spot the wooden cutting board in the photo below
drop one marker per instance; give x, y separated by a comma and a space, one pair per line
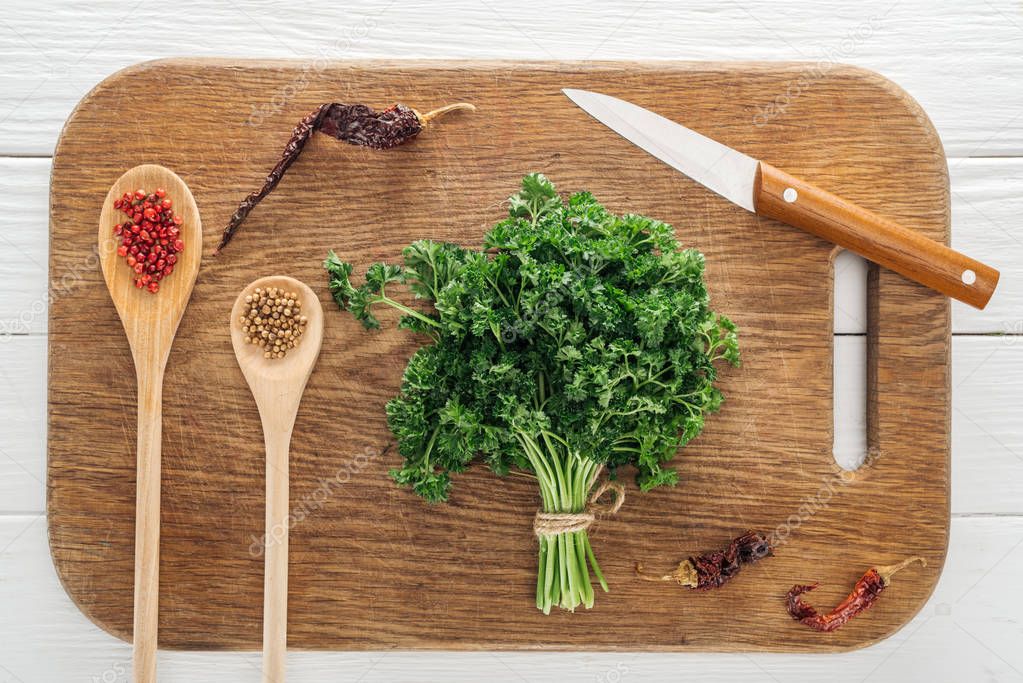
373, 566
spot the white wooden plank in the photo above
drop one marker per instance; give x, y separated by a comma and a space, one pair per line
850, 401
987, 429
24, 235
23, 187
850, 300
23, 416
969, 631
987, 434
962, 61
986, 205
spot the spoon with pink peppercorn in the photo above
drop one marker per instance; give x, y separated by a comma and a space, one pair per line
150, 243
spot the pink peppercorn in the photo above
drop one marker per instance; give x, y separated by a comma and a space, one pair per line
150, 240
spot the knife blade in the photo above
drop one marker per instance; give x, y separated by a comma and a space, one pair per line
767, 191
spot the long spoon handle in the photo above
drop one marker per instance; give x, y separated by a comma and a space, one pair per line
147, 523
275, 568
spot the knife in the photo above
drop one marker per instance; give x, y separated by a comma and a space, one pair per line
767, 191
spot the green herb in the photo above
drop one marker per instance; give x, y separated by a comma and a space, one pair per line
572, 341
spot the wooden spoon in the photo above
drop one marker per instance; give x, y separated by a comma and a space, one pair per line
277, 385
150, 321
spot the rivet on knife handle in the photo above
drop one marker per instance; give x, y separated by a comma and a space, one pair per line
788, 199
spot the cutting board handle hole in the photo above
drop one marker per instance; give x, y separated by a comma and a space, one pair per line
851, 366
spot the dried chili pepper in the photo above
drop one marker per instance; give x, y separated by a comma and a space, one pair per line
711, 570
356, 124
863, 595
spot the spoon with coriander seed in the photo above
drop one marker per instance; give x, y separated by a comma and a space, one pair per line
276, 330
150, 244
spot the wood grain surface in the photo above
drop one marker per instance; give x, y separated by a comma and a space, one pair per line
373, 567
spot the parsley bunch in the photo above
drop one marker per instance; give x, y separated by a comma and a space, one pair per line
574, 340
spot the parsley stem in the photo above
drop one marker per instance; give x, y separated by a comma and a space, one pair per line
581, 542
383, 299
565, 559
593, 563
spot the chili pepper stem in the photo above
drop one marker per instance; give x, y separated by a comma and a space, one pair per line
684, 574
651, 577
888, 571
437, 113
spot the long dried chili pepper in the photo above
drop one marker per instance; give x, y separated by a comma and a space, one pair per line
711, 570
863, 595
356, 124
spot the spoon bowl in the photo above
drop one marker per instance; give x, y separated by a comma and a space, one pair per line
295, 367
277, 385
150, 321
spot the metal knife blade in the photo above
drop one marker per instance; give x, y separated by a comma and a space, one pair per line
717, 167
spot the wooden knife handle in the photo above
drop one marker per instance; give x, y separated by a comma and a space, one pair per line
788, 199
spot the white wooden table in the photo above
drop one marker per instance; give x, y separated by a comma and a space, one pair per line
962, 60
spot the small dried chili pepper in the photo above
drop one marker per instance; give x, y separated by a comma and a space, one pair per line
863, 595
356, 124
711, 570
